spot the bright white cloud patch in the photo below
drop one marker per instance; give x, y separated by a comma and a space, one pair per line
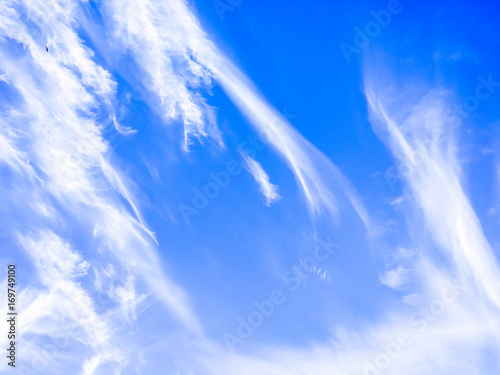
395, 278
267, 189
167, 52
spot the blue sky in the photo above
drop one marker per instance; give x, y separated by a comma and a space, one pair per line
238, 187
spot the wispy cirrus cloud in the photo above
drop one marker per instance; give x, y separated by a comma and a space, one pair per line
438, 326
435, 179
68, 186
267, 189
62, 168
395, 278
171, 49
166, 43
323, 195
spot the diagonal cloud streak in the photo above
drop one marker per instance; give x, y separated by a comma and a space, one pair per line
267, 189
424, 148
173, 52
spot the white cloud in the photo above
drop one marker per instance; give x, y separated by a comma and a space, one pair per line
395, 278
52, 139
321, 181
64, 299
57, 143
165, 43
176, 58
269, 190
434, 177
